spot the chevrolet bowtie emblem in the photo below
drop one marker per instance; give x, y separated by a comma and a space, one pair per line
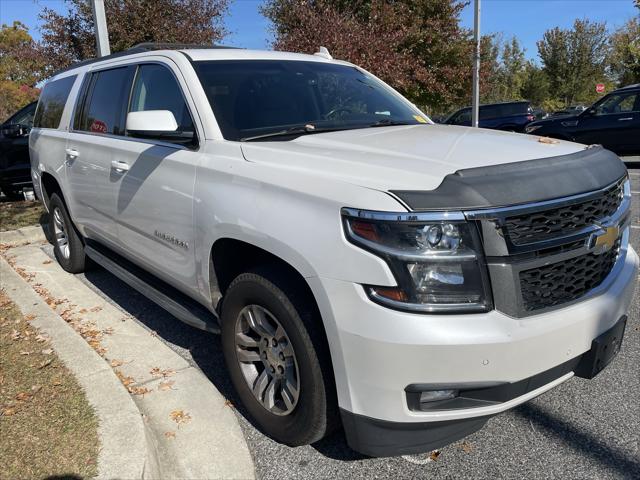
606, 240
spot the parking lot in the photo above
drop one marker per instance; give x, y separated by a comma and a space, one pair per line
582, 429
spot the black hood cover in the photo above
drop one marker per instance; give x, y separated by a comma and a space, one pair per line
520, 182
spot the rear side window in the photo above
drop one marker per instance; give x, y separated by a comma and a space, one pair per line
106, 102
52, 101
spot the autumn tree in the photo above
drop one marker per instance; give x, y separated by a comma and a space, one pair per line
21, 67
69, 37
574, 60
417, 46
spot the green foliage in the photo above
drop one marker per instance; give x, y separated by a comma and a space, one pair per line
574, 60
625, 53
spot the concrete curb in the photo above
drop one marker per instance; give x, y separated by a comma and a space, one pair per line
23, 236
192, 431
123, 447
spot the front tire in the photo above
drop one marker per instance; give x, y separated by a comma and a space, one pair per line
67, 243
277, 357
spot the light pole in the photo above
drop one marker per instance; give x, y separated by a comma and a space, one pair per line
475, 100
100, 22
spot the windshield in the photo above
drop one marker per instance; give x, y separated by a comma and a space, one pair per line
252, 98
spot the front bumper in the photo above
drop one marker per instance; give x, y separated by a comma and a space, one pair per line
377, 353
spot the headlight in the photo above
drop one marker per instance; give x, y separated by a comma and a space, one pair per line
436, 259
532, 128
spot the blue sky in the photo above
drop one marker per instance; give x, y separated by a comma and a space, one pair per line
526, 19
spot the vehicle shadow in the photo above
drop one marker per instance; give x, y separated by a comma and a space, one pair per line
580, 441
205, 349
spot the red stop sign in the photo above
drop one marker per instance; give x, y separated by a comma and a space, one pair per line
600, 88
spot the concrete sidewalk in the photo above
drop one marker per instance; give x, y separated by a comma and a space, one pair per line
190, 429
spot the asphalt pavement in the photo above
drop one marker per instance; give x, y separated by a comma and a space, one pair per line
581, 429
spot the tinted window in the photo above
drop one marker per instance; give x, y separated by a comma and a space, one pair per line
617, 103
257, 97
52, 101
24, 116
157, 89
104, 109
463, 117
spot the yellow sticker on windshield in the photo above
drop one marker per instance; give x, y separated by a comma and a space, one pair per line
420, 118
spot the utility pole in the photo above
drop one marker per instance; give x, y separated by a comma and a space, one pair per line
100, 22
475, 100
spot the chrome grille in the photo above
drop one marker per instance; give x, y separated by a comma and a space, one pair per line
558, 222
566, 280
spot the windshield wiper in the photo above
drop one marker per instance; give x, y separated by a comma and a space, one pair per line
295, 130
387, 122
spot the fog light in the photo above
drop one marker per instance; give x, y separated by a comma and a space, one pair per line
437, 395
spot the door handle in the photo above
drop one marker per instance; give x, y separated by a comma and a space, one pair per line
119, 166
72, 153
625, 119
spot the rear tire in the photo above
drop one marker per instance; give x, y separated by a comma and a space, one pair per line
68, 246
299, 352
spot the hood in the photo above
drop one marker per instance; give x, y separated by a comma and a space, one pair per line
415, 157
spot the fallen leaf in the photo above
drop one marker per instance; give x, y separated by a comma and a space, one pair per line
45, 363
116, 363
108, 331
166, 385
434, 455
228, 403
56, 382
180, 417
24, 352
47, 351
95, 309
41, 338
126, 381
15, 335
466, 447
548, 140
170, 434
157, 372
36, 388
29, 317
47, 262
138, 390
7, 412
23, 396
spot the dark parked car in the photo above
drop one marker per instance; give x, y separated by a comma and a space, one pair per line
15, 169
512, 116
613, 122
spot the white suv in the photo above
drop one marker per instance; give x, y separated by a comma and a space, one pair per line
363, 265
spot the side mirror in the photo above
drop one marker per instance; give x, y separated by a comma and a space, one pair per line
152, 123
14, 130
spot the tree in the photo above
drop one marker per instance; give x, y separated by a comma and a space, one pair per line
535, 85
625, 53
69, 37
21, 67
574, 60
417, 46
513, 70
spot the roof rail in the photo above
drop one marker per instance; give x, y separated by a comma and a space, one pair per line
139, 48
149, 46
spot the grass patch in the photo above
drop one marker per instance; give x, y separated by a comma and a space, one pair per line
15, 215
48, 427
